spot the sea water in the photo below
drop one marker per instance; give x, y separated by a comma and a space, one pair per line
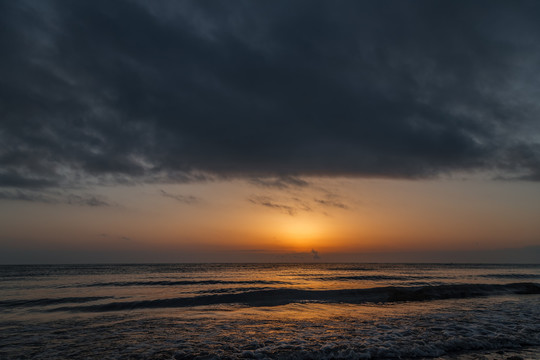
285, 311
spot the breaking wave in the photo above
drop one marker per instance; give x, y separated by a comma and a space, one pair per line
275, 297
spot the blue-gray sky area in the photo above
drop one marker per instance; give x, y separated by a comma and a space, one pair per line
234, 119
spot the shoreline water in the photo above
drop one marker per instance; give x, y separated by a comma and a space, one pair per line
370, 311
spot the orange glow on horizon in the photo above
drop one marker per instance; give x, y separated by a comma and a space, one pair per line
393, 216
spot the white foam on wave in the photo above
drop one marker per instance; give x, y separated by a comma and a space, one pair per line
442, 328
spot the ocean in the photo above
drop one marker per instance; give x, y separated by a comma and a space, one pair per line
270, 311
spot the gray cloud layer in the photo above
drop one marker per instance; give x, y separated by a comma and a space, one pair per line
136, 91
55, 198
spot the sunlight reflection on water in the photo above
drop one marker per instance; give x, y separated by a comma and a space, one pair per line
185, 311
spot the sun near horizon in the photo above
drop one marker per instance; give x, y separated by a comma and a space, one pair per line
240, 221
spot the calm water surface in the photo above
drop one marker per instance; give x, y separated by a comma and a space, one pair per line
362, 311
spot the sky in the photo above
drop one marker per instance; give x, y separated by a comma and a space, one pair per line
279, 131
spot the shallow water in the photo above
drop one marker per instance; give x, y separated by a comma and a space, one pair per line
377, 311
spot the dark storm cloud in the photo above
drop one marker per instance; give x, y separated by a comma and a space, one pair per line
185, 199
523, 157
14, 180
129, 91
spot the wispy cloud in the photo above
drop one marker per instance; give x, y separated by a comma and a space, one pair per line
87, 200
301, 204
185, 199
281, 183
20, 195
297, 204
331, 203
269, 203
56, 198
